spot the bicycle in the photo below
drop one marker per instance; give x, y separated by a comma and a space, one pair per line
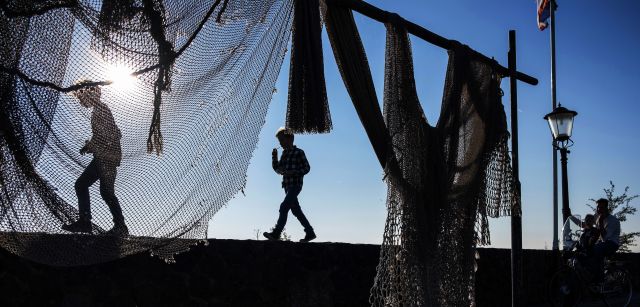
567, 285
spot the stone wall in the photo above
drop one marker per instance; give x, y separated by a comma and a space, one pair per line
245, 273
493, 278
224, 273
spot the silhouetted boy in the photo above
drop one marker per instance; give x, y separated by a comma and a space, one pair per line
105, 147
293, 165
589, 234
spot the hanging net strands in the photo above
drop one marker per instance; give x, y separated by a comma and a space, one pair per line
165, 76
307, 105
444, 180
191, 79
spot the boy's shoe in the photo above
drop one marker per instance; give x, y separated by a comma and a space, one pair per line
78, 226
119, 230
310, 235
272, 236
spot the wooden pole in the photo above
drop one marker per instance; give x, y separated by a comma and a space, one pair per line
516, 218
375, 13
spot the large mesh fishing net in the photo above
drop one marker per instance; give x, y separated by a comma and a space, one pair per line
171, 145
444, 181
189, 121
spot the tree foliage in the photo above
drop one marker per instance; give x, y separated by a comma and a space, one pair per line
620, 206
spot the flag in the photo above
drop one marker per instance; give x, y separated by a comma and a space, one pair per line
544, 13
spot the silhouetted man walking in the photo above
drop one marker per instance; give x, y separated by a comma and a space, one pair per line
105, 147
293, 165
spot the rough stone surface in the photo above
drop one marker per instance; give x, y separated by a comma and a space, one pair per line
249, 273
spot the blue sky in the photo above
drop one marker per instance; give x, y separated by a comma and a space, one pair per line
344, 196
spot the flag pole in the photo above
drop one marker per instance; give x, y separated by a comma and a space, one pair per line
552, 6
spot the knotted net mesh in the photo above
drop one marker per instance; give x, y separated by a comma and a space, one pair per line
204, 75
169, 146
443, 181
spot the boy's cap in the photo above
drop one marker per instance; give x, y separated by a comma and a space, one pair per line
283, 130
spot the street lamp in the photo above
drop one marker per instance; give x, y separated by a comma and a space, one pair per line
561, 125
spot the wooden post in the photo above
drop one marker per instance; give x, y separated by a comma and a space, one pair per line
383, 16
516, 219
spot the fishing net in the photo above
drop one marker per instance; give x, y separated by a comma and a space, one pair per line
176, 140
179, 134
307, 106
445, 180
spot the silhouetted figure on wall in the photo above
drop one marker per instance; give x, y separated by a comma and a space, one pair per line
105, 147
293, 165
589, 234
608, 227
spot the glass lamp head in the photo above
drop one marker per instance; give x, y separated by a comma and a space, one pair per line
561, 123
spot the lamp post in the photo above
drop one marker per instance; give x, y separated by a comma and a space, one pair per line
561, 125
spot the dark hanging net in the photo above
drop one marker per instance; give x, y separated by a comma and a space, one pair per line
307, 107
205, 73
443, 181
403, 276
176, 139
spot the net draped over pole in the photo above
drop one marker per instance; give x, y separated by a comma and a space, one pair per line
450, 178
205, 75
205, 71
307, 105
443, 181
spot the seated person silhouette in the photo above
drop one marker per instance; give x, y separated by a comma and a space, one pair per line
608, 237
587, 240
589, 235
105, 147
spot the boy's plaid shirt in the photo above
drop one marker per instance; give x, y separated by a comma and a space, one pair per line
293, 165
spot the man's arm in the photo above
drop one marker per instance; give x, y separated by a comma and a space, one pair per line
613, 230
575, 220
86, 148
594, 237
305, 164
275, 163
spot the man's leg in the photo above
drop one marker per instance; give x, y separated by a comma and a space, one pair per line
598, 259
88, 177
289, 200
107, 173
601, 250
297, 212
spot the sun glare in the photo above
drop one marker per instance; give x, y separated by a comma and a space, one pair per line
121, 77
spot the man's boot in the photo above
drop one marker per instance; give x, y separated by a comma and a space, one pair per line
309, 235
119, 229
272, 236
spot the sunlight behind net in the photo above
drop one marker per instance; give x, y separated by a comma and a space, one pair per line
121, 77
210, 108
